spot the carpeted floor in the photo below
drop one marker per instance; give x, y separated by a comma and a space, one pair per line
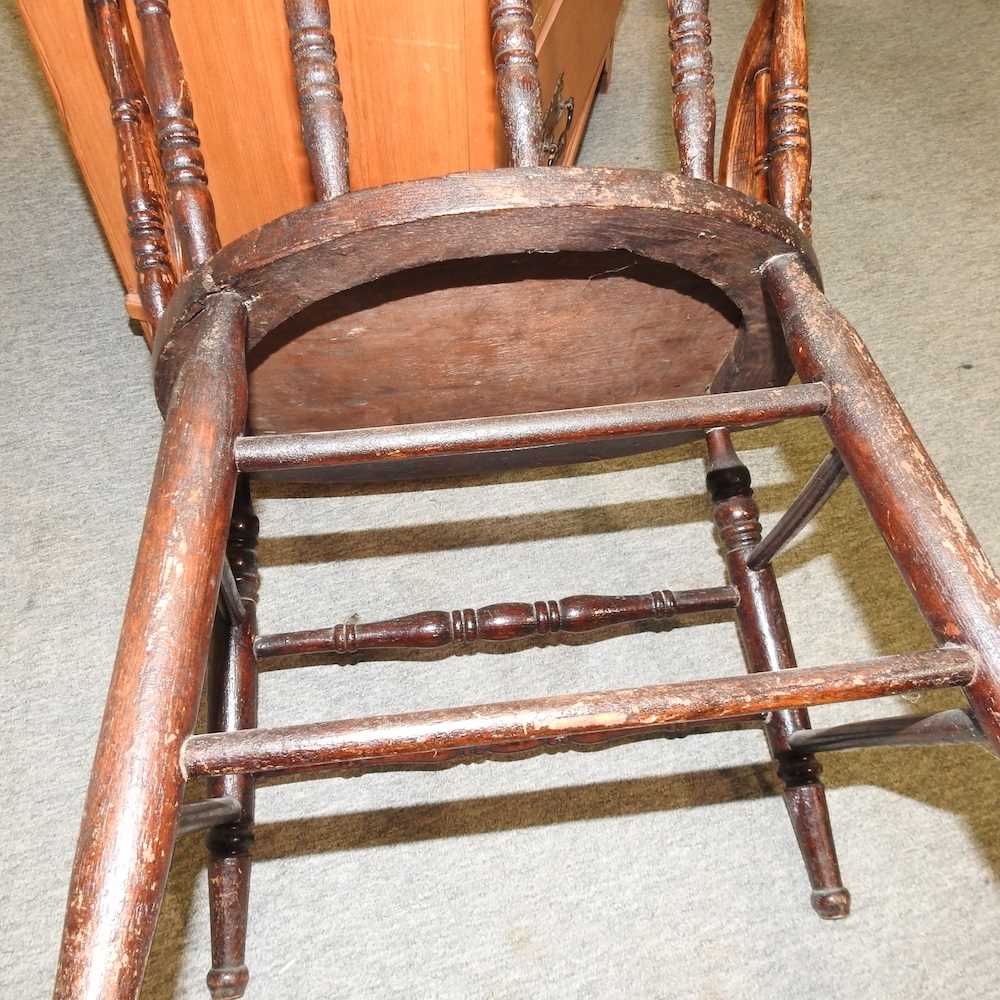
660, 870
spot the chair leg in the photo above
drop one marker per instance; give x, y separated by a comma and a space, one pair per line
939, 557
129, 824
233, 705
767, 645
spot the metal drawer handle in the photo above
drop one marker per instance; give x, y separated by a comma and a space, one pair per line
553, 147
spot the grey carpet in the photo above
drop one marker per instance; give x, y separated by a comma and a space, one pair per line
663, 870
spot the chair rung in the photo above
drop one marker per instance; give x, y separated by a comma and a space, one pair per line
439, 760
955, 725
298, 748
207, 813
273, 452
497, 622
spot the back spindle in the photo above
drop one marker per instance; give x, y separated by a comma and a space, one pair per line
190, 201
518, 90
321, 104
790, 144
140, 192
693, 86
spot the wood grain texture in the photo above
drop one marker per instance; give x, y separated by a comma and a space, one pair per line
519, 93
767, 646
294, 748
496, 622
177, 137
441, 760
939, 557
526, 331
410, 117
693, 86
133, 803
743, 155
321, 104
374, 245
140, 186
790, 141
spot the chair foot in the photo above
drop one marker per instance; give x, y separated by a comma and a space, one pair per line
805, 800
228, 984
229, 897
831, 904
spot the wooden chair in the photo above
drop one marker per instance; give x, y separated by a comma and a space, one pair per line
475, 351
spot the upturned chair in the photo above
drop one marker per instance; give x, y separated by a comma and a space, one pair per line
435, 326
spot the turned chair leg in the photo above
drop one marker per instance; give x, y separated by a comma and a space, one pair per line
130, 819
233, 705
767, 645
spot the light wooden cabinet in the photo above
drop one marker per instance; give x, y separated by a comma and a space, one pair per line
418, 85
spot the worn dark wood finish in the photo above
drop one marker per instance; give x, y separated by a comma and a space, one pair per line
822, 485
332, 247
790, 146
127, 835
480, 317
233, 706
939, 557
767, 646
954, 725
139, 179
442, 760
497, 622
693, 86
383, 444
321, 104
743, 155
294, 748
500, 322
183, 164
207, 813
518, 90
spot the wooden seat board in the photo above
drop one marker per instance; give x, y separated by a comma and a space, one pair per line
591, 286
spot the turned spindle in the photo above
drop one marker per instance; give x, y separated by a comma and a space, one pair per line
496, 622
190, 201
790, 143
518, 90
321, 104
693, 86
767, 647
743, 156
140, 190
233, 706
